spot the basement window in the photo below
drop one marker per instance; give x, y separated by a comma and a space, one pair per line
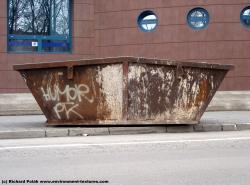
39, 26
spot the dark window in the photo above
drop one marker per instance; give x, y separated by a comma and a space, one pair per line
147, 21
245, 16
198, 18
39, 26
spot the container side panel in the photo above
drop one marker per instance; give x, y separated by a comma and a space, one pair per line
173, 94
90, 93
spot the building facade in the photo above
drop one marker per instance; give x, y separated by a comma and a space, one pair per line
213, 31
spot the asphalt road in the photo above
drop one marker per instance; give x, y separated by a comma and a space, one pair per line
221, 158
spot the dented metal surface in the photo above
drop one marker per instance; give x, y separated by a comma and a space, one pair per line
123, 90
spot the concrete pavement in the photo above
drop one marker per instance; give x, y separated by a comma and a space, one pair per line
33, 126
210, 158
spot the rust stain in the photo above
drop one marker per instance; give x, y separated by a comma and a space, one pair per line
203, 93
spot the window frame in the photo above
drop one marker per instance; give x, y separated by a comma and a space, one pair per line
189, 20
41, 38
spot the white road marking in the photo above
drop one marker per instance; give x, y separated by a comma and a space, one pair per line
121, 143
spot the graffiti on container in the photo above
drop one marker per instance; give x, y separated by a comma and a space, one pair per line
78, 93
62, 107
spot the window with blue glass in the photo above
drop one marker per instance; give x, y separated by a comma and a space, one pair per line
245, 16
39, 26
198, 18
147, 21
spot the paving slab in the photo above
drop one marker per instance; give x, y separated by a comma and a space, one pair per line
242, 126
198, 128
19, 134
212, 127
137, 130
180, 128
88, 131
229, 127
57, 132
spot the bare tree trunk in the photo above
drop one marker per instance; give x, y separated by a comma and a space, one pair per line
32, 7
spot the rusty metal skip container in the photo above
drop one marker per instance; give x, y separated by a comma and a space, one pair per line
123, 90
